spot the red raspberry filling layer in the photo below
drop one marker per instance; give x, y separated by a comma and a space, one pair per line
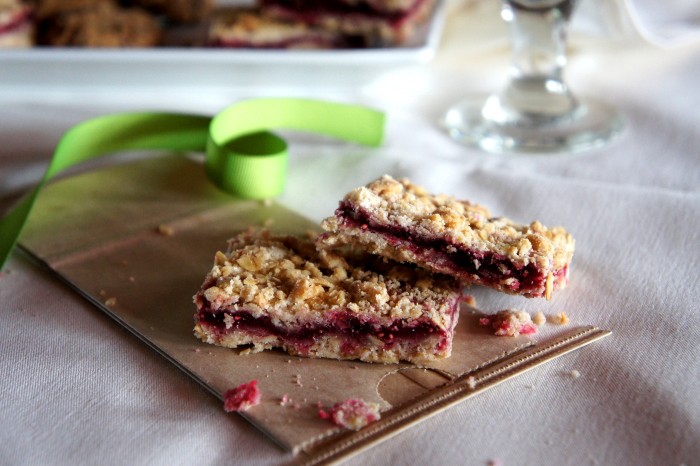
474, 266
16, 21
354, 330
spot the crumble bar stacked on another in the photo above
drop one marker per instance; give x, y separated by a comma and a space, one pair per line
402, 222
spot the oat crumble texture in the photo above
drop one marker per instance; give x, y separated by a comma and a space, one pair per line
281, 292
403, 222
352, 414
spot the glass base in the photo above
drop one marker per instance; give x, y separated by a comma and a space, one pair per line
592, 124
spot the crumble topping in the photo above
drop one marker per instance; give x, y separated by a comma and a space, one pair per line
286, 278
400, 202
510, 322
243, 397
353, 414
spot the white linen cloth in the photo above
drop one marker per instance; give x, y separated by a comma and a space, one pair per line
669, 23
78, 389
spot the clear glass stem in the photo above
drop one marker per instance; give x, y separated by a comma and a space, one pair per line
536, 91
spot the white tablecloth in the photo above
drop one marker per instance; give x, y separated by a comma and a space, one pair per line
79, 389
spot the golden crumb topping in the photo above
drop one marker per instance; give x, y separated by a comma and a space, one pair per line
287, 279
399, 203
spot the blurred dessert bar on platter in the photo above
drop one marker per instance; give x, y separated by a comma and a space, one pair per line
363, 23
16, 27
258, 24
321, 24
253, 28
94, 23
176, 11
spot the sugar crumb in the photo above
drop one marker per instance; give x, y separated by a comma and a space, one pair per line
469, 300
165, 230
538, 318
471, 381
111, 302
558, 319
574, 374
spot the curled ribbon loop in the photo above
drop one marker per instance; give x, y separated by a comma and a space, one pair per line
243, 157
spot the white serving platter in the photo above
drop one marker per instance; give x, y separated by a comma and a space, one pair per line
47, 68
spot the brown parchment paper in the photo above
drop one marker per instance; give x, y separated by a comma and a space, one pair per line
137, 240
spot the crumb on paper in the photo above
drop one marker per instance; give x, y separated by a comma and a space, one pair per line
353, 413
538, 318
165, 230
509, 322
132, 279
103, 293
111, 302
558, 319
574, 374
471, 381
243, 397
297, 380
285, 400
469, 300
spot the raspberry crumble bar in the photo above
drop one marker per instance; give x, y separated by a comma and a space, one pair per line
252, 28
281, 292
370, 23
401, 221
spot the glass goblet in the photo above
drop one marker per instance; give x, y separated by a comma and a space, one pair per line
535, 112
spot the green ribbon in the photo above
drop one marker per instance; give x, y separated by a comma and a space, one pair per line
242, 157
